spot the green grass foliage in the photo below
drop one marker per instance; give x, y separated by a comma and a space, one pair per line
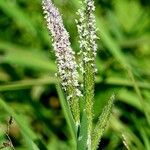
29, 91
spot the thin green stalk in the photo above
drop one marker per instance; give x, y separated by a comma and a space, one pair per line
137, 90
89, 97
67, 112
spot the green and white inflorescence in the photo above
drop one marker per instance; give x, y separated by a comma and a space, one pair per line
86, 25
67, 66
87, 136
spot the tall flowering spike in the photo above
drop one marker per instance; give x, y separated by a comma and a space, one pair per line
86, 25
67, 66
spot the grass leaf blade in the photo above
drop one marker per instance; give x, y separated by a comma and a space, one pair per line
102, 122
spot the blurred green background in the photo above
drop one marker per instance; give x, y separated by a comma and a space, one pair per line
27, 68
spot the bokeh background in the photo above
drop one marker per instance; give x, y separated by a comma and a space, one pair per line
27, 68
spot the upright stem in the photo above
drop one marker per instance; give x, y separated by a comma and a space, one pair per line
89, 66
87, 33
89, 98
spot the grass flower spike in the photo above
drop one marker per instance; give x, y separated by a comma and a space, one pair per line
86, 25
87, 136
87, 39
67, 66
75, 75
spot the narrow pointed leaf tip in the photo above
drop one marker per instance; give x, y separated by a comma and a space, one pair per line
102, 123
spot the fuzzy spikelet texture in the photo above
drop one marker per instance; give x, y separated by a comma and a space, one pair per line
102, 123
86, 26
67, 66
